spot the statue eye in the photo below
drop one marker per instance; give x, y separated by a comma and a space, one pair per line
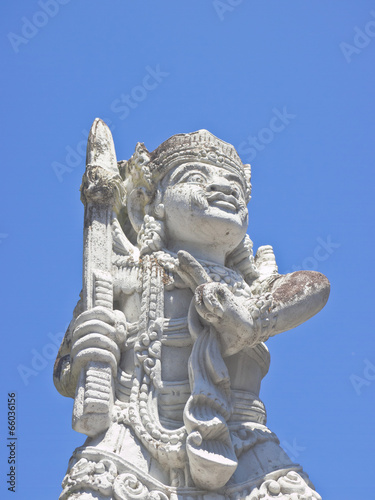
238, 188
195, 178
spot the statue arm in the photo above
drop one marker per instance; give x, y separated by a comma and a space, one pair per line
288, 301
296, 298
62, 368
277, 303
93, 335
292, 298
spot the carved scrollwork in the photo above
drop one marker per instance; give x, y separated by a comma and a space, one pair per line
289, 487
85, 474
128, 487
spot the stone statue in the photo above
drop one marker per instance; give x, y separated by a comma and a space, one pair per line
165, 354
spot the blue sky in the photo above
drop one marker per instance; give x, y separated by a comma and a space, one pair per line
290, 84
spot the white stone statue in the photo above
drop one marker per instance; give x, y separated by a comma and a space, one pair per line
165, 354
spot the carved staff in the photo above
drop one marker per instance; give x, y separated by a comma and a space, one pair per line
101, 193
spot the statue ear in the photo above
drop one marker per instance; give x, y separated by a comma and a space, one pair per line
137, 201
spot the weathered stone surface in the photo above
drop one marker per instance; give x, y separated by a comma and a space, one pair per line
165, 353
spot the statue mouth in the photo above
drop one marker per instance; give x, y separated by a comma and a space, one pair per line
224, 201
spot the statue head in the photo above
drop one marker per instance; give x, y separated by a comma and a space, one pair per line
193, 188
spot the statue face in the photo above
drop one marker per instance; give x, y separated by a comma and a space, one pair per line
204, 204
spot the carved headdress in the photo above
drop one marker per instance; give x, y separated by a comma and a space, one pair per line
145, 169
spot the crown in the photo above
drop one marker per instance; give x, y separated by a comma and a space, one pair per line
146, 169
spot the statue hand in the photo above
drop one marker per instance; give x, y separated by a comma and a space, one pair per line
218, 307
97, 335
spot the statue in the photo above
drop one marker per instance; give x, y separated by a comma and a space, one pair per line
165, 354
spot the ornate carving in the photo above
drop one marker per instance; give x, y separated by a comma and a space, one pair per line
146, 169
289, 487
101, 187
151, 236
128, 487
210, 449
87, 475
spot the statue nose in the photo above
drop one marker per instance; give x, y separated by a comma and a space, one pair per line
223, 187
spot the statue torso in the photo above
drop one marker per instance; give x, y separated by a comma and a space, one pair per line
246, 368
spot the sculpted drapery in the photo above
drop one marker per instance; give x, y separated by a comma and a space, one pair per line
165, 354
